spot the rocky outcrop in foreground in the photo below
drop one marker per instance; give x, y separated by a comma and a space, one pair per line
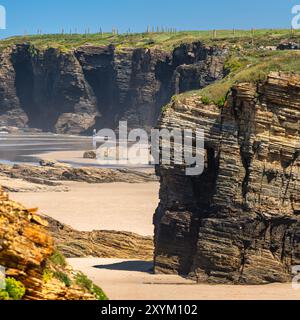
239, 222
95, 87
54, 175
103, 244
27, 253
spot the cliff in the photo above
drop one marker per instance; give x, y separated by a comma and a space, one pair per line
73, 83
28, 255
239, 221
93, 86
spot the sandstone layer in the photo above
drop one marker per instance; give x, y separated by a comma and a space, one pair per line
25, 249
54, 175
101, 244
239, 221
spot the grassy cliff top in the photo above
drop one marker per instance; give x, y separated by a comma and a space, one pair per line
247, 66
247, 61
164, 40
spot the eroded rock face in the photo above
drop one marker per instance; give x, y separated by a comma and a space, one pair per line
240, 220
53, 173
25, 247
103, 244
11, 113
52, 91
95, 87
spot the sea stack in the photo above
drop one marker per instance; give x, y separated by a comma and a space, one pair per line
238, 222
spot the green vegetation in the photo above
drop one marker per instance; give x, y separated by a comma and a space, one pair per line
164, 40
47, 275
248, 66
221, 101
14, 290
165, 109
247, 61
58, 259
232, 65
63, 277
56, 267
84, 282
33, 51
205, 100
4, 295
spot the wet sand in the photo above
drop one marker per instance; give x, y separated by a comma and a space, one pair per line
88, 207
24, 147
69, 156
75, 158
131, 280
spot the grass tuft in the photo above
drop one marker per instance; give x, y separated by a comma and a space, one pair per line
58, 259
84, 282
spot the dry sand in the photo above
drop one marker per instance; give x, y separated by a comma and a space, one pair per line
131, 280
88, 207
130, 207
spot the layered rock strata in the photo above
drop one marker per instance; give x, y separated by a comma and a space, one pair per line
25, 247
95, 87
103, 244
55, 175
238, 222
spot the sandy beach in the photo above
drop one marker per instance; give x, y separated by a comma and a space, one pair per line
75, 158
131, 280
87, 207
130, 207
70, 156
125, 207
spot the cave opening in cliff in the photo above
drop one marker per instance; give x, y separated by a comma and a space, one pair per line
102, 83
164, 71
100, 75
24, 83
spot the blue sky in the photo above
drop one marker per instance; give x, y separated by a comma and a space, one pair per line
52, 15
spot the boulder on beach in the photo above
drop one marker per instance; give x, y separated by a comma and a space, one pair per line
47, 163
52, 164
90, 155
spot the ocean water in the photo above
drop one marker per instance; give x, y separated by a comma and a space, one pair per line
24, 147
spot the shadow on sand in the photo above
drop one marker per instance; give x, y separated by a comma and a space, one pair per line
137, 266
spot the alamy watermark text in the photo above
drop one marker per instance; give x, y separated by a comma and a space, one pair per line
182, 147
